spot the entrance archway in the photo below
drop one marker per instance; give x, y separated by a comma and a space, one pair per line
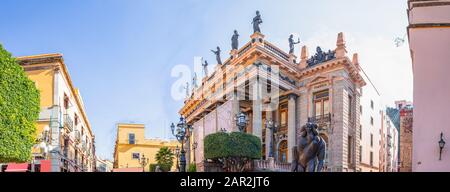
282, 151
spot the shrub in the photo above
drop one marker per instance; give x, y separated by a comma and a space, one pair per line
232, 149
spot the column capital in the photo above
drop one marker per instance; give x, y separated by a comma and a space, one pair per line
292, 96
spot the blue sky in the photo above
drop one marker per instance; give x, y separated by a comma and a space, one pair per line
120, 53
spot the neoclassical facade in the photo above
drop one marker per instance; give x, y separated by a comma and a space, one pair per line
266, 83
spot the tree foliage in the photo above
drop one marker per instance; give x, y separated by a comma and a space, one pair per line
152, 167
192, 167
234, 149
164, 159
19, 109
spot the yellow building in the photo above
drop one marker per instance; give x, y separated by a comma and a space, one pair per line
65, 138
131, 146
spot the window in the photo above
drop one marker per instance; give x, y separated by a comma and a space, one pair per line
349, 148
76, 119
360, 131
349, 107
131, 138
371, 120
135, 156
283, 117
321, 104
371, 158
360, 109
66, 102
371, 140
371, 104
360, 153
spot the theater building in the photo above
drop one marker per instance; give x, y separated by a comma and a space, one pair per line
268, 84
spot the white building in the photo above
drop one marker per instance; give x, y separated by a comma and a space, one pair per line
370, 125
104, 165
391, 145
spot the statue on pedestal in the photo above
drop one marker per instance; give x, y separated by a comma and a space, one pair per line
256, 22
205, 68
217, 53
309, 154
292, 43
234, 40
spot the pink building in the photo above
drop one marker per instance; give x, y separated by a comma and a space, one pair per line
429, 41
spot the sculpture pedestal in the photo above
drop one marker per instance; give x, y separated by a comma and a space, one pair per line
257, 38
292, 58
234, 53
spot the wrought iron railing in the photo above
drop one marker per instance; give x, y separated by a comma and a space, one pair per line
68, 122
321, 119
77, 136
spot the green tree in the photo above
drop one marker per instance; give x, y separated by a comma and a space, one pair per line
19, 109
192, 167
233, 150
164, 159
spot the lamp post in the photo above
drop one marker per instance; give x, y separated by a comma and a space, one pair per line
177, 153
181, 132
272, 126
194, 146
43, 140
241, 121
441, 145
143, 161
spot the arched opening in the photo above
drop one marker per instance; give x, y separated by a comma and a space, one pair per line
283, 151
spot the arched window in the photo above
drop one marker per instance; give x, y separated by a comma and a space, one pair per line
283, 151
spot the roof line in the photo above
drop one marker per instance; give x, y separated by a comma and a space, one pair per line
370, 81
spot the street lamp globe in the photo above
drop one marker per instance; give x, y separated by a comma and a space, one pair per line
180, 133
241, 121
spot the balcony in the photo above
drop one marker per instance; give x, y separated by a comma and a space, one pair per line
77, 136
321, 120
68, 122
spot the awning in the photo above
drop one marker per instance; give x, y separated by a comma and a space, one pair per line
17, 167
46, 165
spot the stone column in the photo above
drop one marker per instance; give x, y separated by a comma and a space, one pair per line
257, 107
234, 111
291, 124
257, 118
56, 132
269, 135
188, 152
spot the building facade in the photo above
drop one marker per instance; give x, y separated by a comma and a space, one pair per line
429, 40
65, 137
266, 83
391, 145
406, 136
132, 146
104, 165
370, 126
